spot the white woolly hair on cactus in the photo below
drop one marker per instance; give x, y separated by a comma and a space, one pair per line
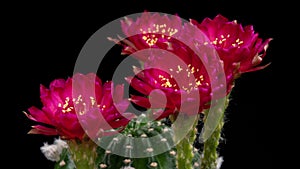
219, 162
53, 151
127, 167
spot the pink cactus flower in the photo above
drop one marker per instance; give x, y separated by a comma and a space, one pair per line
79, 106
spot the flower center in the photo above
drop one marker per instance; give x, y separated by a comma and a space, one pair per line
81, 105
151, 34
223, 41
193, 82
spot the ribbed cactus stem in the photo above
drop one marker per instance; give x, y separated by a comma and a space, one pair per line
83, 153
185, 153
141, 156
210, 149
210, 153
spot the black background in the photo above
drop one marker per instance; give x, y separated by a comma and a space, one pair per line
47, 39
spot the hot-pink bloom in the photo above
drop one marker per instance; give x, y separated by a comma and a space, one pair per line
192, 68
202, 48
150, 30
78, 106
187, 88
239, 47
163, 91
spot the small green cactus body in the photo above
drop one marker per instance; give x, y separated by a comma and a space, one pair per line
66, 161
143, 129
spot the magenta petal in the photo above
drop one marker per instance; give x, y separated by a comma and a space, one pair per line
38, 129
122, 105
221, 19
67, 92
44, 92
38, 115
107, 94
140, 101
264, 46
58, 83
140, 86
118, 93
257, 68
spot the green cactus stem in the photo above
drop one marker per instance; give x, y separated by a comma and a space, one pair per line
140, 127
65, 161
185, 148
143, 129
212, 133
83, 153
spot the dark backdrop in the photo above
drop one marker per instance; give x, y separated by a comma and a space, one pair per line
48, 38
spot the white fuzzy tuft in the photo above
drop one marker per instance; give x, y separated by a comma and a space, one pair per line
61, 143
219, 162
127, 167
52, 152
